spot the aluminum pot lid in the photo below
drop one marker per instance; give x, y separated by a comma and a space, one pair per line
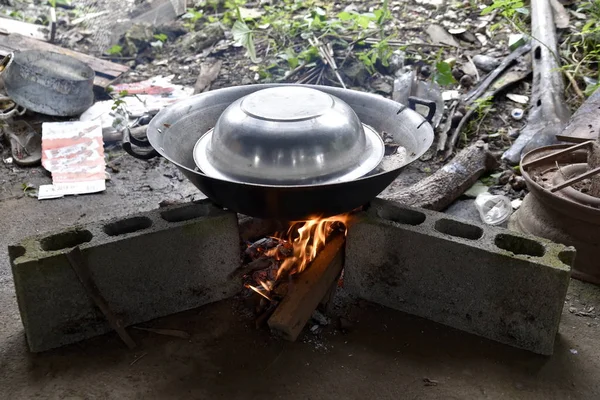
289, 135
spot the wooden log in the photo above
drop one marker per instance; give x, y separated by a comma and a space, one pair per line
307, 290
439, 190
106, 71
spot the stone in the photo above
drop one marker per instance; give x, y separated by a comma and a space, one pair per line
173, 30
380, 85
356, 72
439, 35
485, 63
137, 39
199, 40
466, 81
484, 280
145, 266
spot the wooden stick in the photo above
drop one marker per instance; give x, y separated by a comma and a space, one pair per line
307, 290
78, 264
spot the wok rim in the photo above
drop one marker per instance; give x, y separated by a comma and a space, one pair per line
154, 131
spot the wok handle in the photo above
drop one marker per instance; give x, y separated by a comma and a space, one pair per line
128, 139
430, 104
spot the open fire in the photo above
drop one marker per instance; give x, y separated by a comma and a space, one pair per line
278, 258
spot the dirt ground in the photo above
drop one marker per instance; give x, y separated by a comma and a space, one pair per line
383, 354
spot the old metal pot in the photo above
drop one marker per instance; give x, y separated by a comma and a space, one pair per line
48, 83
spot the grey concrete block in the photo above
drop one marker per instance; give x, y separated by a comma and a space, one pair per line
480, 279
146, 266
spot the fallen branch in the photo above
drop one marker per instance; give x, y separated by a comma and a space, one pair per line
439, 190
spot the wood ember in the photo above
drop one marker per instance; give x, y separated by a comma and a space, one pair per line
307, 289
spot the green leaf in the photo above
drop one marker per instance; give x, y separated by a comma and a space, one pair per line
161, 36
345, 16
242, 35
443, 74
115, 50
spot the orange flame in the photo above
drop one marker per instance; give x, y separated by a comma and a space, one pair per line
303, 241
312, 235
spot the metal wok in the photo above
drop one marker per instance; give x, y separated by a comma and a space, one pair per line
174, 131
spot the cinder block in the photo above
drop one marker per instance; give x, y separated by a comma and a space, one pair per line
146, 266
480, 279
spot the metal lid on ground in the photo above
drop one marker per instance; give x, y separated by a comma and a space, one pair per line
289, 135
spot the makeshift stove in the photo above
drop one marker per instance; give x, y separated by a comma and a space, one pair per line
560, 206
289, 153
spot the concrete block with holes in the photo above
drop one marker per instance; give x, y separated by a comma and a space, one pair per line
484, 280
145, 266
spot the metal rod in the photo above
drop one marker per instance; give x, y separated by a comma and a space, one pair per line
552, 156
573, 181
572, 139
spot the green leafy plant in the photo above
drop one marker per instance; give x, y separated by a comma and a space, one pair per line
161, 36
115, 50
443, 74
191, 16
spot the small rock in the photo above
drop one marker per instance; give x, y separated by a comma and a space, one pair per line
518, 98
505, 177
457, 117
439, 35
356, 72
482, 38
457, 73
426, 71
469, 69
517, 182
200, 40
485, 63
448, 95
173, 30
136, 39
517, 114
380, 85
396, 62
320, 318
466, 81
572, 310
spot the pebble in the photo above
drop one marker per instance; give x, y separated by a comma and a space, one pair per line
466, 81
485, 63
517, 114
517, 183
505, 177
457, 117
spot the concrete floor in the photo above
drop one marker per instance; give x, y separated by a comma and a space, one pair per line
385, 354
